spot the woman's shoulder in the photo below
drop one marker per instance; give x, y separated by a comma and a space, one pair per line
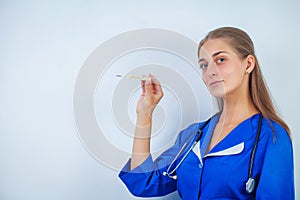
274, 131
188, 131
192, 128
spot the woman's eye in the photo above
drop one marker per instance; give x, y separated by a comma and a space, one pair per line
220, 60
203, 65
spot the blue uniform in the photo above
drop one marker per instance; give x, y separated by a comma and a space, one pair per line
222, 172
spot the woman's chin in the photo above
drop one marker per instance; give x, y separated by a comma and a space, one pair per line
218, 93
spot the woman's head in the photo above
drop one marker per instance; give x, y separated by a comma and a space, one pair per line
226, 57
229, 64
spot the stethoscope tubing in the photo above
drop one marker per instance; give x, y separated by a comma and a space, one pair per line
199, 135
250, 184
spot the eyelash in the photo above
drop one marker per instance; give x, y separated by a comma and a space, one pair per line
223, 59
203, 65
218, 61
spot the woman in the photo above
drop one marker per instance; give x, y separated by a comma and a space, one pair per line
218, 167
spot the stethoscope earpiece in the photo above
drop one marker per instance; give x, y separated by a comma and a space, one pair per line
170, 176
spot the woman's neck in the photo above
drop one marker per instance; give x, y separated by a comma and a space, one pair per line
237, 109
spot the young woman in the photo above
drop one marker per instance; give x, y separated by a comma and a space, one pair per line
245, 150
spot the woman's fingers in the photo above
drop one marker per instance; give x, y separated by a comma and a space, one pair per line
151, 95
151, 88
156, 85
148, 87
143, 87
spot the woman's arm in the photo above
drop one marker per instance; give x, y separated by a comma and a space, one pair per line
143, 176
150, 97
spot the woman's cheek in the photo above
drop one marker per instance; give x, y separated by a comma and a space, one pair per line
204, 79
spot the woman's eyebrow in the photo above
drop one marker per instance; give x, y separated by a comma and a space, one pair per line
201, 60
219, 52
214, 55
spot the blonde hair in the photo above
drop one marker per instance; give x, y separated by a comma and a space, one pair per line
260, 95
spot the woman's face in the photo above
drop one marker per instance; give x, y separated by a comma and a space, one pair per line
223, 72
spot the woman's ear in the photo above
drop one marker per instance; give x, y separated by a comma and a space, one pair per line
250, 64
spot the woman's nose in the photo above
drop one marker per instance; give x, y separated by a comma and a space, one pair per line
212, 70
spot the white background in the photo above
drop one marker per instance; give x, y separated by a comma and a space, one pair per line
42, 48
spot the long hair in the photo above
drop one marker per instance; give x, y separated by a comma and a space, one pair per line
260, 95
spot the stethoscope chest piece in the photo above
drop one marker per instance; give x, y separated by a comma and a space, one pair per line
250, 185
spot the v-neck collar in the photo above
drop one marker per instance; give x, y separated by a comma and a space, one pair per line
241, 133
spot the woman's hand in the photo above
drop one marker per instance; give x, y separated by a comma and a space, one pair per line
150, 97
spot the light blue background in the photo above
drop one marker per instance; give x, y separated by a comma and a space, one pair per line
43, 45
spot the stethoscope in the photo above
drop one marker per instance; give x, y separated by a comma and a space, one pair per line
250, 184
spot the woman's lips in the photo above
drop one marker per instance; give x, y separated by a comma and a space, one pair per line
214, 83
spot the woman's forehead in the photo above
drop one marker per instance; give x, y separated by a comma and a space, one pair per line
212, 46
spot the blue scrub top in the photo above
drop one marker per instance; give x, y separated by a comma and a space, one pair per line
224, 170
